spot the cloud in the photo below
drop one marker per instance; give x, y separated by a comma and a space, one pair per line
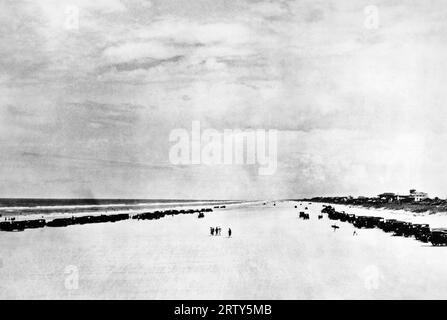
184, 31
169, 40
53, 7
133, 51
269, 9
352, 104
129, 164
139, 64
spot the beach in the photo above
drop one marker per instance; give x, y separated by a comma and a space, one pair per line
272, 254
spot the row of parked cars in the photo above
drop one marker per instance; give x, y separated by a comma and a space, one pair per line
160, 214
20, 225
421, 232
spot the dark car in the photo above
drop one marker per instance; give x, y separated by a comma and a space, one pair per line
376, 221
438, 237
119, 217
60, 222
366, 222
333, 215
12, 225
343, 216
327, 209
32, 224
389, 225
83, 220
401, 228
422, 232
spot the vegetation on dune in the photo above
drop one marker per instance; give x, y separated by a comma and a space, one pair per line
430, 206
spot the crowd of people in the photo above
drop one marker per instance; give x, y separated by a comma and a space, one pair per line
216, 231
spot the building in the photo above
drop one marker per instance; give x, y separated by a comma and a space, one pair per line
404, 198
414, 196
388, 196
417, 195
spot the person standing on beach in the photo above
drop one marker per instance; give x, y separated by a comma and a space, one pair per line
212, 231
229, 232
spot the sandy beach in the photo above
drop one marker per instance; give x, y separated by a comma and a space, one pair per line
271, 255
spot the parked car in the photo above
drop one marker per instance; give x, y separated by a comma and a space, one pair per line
38, 223
388, 225
12, 225
304, 216
366, 222
351, 218
438, 237
422, 232
60, 222
401, 228
343, 216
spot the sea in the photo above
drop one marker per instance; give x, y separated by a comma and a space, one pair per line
41, 206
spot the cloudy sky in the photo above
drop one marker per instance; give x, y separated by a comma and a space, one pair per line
87, 105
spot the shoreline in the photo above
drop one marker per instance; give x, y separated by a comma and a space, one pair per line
67, 218
57, 210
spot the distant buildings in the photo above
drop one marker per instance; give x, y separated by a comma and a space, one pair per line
394, 200
417, 195
414, 196
388, 196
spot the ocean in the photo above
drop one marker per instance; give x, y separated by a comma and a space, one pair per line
27, 206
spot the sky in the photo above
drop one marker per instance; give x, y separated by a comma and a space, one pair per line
91, 90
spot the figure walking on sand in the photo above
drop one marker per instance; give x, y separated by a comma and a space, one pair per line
229, 232
212, 231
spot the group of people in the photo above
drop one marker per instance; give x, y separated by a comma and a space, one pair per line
215, 231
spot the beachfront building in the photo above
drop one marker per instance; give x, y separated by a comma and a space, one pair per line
414, 196
388, 196
417, 195
404, 198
